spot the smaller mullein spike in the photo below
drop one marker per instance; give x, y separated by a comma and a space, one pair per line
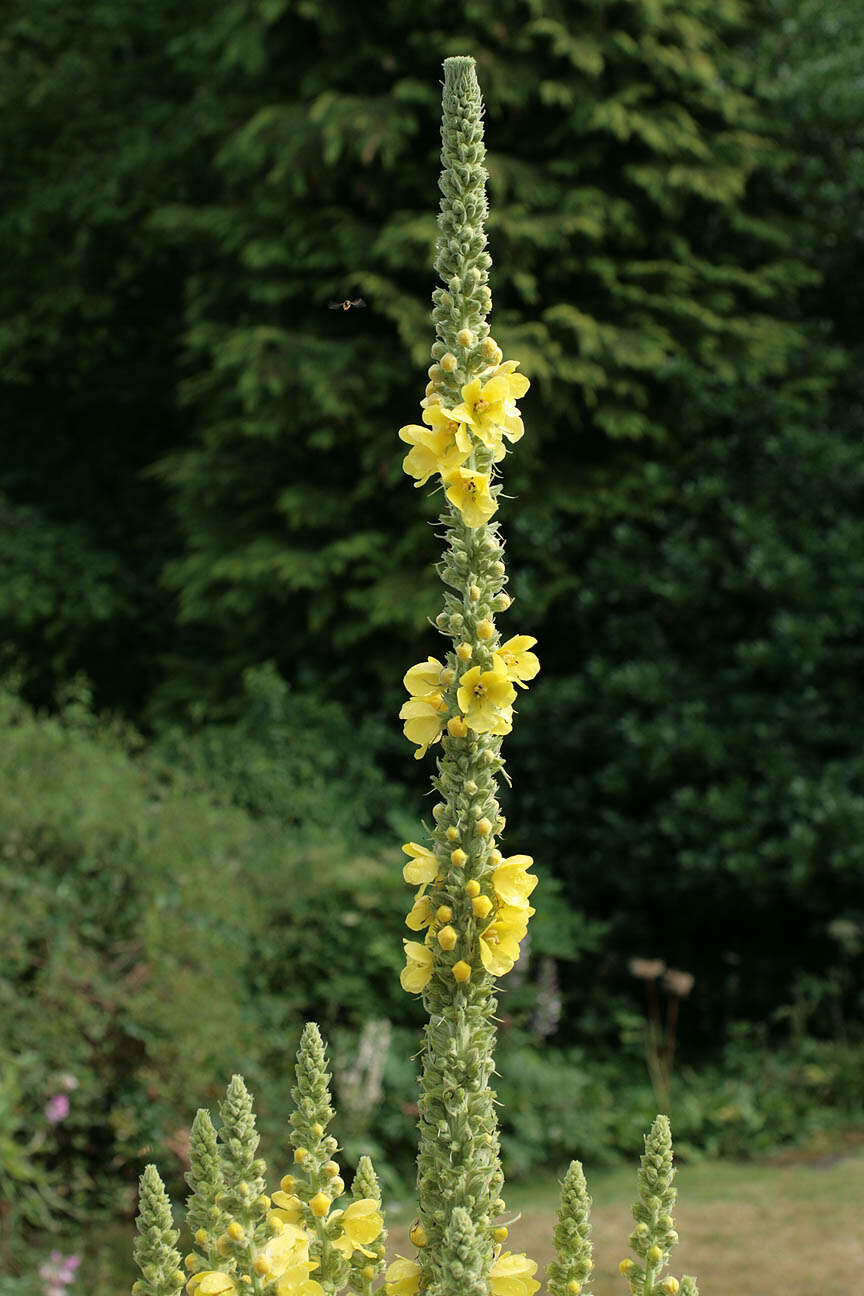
367, 1262
688, 1286
568, 1273
316, 1179
154, 1248
654, 1235
205, 1217
460, 1264
243, 1198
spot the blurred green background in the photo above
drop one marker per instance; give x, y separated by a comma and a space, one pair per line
213, 572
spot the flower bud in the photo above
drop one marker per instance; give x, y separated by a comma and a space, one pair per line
338, 1185
457, 728
263, 1202
501, 602
288, 1183
448, 676
458, 858
473, 593
235, 1231
418, 1235
470, 787
442, 621
499, 569
447, 938
330, 1168
434, 371
300, 1154
262, 1264
484, 827
465, 337
670, 1285
449, 362
626, 1267
200, 1236
482, 906
463, 651
456, 621
654, 1254
454, 284
319, 1205
501, 1233
461, 971
318, 1130
192, 1262
485, 629
574, 1287
438, 809
472, 888
444, 913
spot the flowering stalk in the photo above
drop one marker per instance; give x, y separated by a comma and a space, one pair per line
569, 1271
472, 903
654, 1235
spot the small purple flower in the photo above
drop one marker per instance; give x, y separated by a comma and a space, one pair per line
58, 1272
57, 1108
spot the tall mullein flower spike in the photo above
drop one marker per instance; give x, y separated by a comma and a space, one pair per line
654, 1235
471, 907
568, 1273
153, 1250
205, 1216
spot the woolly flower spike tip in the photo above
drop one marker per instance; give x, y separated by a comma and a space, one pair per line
654, 1234
569, 1272
154, 1251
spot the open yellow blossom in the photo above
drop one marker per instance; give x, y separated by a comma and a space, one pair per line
483, 409
517, 382
420, 914
499, 942
469, 492
402, 1278
424, 678
485, 699
424, 721
211, 1282
512, 882
434, 450
418, 969
286, 1207
513, 1275
520, 664
295, 1281
361, 1224
289, 1248
422, 867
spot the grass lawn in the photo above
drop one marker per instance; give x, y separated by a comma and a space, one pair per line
789, 1228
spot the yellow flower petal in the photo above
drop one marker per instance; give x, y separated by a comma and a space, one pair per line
422, 868
419, 966
469, 492
402, 1278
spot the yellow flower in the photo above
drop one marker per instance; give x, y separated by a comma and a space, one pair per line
424, 721
469, 492
440, 447
361, 1224
291, 1247
420, 915
424, 678
513, 1275
296, 1282
418, 969
512, 882
211, 1282
520, 664
287, 1208
518, 384
499, 942
486, 698
403, 1277
423, 866
483, 410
